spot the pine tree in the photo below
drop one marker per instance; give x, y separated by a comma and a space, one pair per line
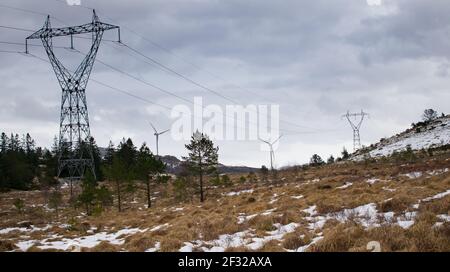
4, 143
202, 158
316, 160
97, 158
55, 201
110, 151
345, 154
148, 168
117, 173
330, 160
429, 115
127, 153
87, 196
264, 173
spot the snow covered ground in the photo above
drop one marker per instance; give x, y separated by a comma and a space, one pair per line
437, 133
60, 243
240, 239
239, 193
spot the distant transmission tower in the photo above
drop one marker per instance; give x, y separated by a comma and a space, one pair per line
355, 120
75, 152
272, 153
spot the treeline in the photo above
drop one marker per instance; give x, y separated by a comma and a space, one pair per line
24, 166
124, 168
21, 162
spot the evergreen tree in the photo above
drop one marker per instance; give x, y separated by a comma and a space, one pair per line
55, 201
345, 154
202, 158
127, 153
110, 151
4, 143
330, 160
316, 160
148, 168
429, 115
87, 196
97, 159
264, 173
118, 173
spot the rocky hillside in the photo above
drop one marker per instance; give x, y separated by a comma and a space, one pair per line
422, 135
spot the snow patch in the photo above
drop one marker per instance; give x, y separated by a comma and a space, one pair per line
413, 175
438, 196
239, 192
346, 185
372, 180
156, 248
31, 229
160, 227
85, 241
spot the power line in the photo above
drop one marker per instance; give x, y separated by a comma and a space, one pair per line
158, 64
166, 91
16, 28
190, 63
35, 45
179, 74
30, 11
119, 90
8, 51
290, 132
166, 68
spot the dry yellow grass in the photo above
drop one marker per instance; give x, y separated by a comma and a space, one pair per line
281, 201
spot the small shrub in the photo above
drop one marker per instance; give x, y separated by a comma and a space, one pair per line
295, 240
19, 204
242, 179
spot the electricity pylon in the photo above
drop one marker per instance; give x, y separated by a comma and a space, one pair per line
157, 137
272, 153
356, 125
74, 152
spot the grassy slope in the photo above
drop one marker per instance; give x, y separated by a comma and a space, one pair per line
271, 205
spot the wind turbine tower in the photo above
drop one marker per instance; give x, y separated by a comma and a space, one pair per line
272, 153
157, 134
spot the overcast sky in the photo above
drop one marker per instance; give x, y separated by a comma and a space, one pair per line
315, 59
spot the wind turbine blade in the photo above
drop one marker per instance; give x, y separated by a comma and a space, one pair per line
164, 131
277, 139
267, 142
153, 127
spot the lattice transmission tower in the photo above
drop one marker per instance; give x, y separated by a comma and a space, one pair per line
355, 120
74, 152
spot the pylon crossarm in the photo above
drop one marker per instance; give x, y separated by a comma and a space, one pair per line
73, 30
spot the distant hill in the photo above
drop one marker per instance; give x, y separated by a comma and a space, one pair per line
174, 165
421, 136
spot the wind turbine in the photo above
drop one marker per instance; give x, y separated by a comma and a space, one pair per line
157, 137
272, 153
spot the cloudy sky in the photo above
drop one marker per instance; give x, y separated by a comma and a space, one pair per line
315, 59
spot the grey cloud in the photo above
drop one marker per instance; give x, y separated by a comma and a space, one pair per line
316, 59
